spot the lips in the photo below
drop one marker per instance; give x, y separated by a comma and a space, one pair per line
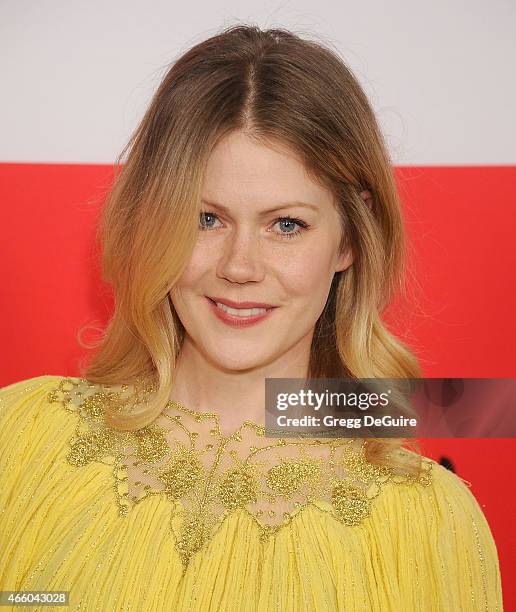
233, 304
245, 318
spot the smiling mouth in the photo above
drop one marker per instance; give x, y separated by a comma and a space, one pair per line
240, 312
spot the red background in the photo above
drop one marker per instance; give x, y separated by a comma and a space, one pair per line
459, 318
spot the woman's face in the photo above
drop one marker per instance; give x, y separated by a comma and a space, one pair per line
247, 252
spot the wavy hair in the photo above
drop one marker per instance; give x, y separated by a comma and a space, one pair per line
276, 87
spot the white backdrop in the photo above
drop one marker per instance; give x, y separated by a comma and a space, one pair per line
77, 76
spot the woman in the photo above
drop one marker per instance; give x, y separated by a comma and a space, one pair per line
254, 232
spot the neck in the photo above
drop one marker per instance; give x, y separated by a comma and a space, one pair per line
235, 395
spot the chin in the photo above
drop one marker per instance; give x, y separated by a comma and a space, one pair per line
234, 362
242, 364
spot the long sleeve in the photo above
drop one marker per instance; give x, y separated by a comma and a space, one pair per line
439, 545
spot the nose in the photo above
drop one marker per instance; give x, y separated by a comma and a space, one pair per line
240, 259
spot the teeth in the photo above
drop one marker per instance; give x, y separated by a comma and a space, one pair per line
241, 312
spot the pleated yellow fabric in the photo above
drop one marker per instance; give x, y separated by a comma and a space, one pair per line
408, 547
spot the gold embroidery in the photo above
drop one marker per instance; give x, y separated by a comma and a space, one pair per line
287, 477
237, 488
206, 476
350, 503
181, 474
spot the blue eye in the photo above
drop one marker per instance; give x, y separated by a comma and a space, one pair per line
288, 221
292, 221
206, 214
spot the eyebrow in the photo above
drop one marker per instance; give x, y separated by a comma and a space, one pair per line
293, 204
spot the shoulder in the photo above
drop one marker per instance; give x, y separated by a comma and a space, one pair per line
446, 493
459, 520
442, 528
438, 493
39, 417
35, 397
43, 406
52, 395
442, 537
29, 397
42, 493
28, 387
441, 509
30, 419
49, 424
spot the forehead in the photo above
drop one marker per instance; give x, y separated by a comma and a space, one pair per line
241, 170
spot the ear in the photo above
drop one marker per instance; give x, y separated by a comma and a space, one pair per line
344, 261
367, 197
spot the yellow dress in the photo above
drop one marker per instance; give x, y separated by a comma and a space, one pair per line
176, 517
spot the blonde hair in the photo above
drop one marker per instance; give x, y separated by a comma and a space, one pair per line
278, 88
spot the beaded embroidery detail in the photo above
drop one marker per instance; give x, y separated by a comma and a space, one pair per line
206, 476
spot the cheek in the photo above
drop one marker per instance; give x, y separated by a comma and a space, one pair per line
180, 291
307, 275
197, 266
